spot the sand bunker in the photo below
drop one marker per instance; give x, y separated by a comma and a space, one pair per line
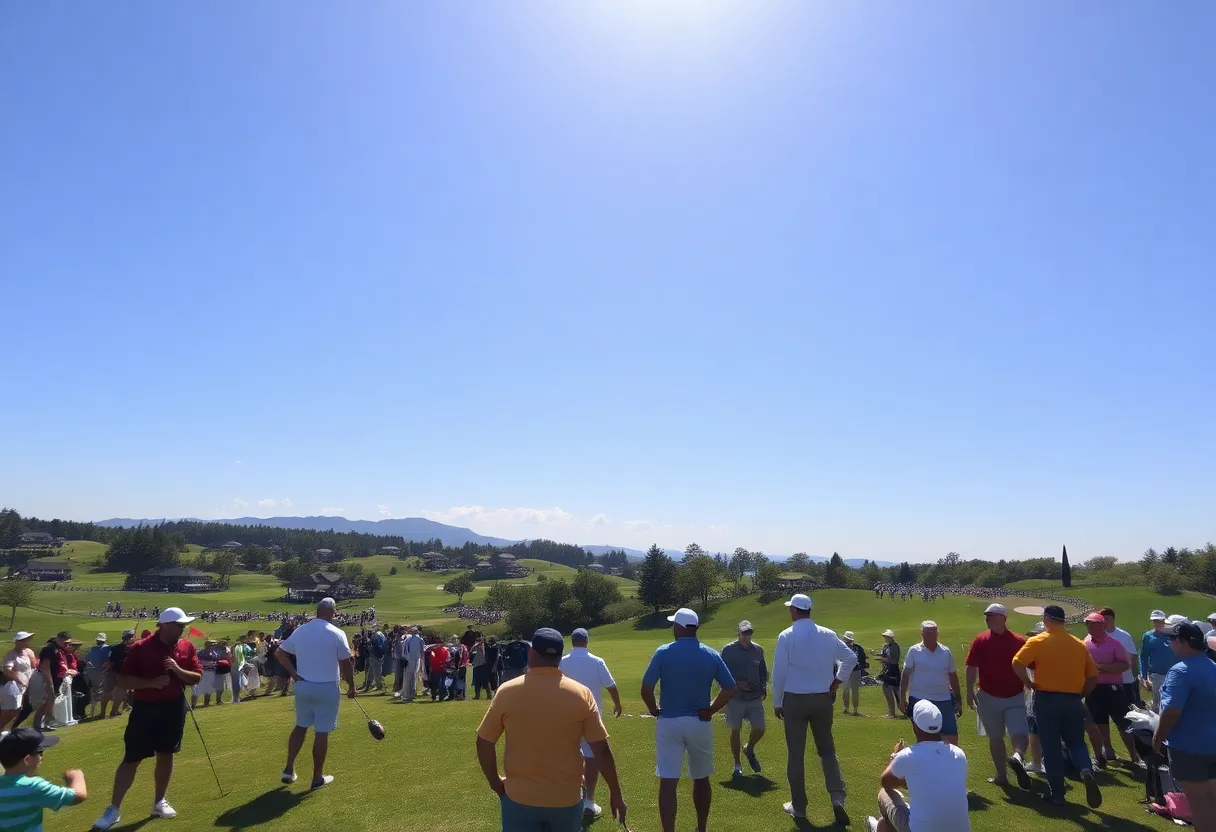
1029, 610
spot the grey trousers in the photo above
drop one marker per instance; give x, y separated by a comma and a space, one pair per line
410, 680
813, 710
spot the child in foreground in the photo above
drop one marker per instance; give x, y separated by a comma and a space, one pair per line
23, 794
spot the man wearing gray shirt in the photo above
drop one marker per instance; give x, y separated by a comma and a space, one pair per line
745, 661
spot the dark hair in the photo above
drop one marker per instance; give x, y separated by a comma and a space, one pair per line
1106, 611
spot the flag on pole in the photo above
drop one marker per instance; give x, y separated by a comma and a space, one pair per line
195, 632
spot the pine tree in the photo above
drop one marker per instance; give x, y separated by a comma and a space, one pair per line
657, 579
1066, 571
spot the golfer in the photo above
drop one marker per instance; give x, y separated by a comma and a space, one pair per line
685, 669
592, 672
158, 669
805, 681
315, 655
1064, 673
1000, 702
745, 660
929, 673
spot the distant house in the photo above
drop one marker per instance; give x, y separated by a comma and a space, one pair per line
324, 585
505, 558
37, 539
327, 555
435, 562
173, 579
48, 570
231, 544
483, 569
596, 567
389, 550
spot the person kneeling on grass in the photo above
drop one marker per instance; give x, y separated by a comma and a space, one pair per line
933, 771
23, 795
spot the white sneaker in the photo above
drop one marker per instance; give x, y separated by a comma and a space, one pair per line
1034, 768
871, 824
325, 780
108, 818
591, 809
162, 809
738, 772
788, 808
288, 777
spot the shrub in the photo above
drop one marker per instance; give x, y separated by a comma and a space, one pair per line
624, 609
1165, 579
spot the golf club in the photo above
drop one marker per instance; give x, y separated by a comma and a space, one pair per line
205, 751
373, 727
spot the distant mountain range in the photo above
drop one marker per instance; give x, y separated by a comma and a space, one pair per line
410, 528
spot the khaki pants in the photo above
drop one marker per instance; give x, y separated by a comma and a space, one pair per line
813, 710
895, 810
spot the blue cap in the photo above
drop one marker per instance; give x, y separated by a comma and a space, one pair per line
1054, 611
579, 635
548, 642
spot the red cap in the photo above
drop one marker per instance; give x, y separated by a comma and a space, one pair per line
1095, 618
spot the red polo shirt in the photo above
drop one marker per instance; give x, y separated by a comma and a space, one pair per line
146, 660
993, 656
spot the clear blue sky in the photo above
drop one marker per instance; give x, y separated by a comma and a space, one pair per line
891, 279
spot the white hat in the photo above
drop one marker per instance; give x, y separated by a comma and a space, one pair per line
1039, 626
996, 609
800, 602
927, 716
100, 637
1176, 619
684, 617
928, 625
1212, 617
22, 635
848, 634
888, 634
174, 615
1156, 615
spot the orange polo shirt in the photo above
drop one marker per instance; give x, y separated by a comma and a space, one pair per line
544, 715
1061, 661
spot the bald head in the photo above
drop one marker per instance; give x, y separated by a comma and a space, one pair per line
326, 609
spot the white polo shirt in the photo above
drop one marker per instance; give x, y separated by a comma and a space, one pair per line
1129, 644
937, 786
588, 670
317, 646
931, 671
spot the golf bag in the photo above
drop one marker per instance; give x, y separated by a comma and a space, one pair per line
1160, 791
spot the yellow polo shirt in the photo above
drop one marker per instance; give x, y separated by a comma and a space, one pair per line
544, 715
1061, 661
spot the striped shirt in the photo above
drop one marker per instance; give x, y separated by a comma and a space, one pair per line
22, 799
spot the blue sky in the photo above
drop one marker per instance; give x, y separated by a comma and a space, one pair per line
890, 279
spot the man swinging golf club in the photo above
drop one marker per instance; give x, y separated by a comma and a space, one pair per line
314, 655
158, 669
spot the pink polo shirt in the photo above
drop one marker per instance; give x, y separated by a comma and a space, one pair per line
1104, 652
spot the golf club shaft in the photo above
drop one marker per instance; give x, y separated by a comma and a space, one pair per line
360, 704
190, 708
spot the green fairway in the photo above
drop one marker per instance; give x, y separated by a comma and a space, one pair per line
428, 759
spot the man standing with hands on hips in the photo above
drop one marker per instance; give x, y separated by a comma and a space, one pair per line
805, 681
685, 669
158, 669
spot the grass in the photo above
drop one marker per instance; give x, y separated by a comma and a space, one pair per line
425, 774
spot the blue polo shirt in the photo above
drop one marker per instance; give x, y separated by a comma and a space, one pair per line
684, 670
1191, 686
1156, 655
98, 655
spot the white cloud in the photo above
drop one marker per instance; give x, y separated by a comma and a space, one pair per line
266, 503
238, 462
600, 519
480, 514
330, 511
286, 502
383, 509
239, 503
719, 529
639, 525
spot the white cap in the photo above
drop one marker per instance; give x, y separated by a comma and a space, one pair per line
888, 633
927, 716
800, 602
928, 625
1156, 615
100, 637
1176, 619
1039, 626
684, 617
22, 635
173, 615
329, 604
1212, 617
848, 634
996, 609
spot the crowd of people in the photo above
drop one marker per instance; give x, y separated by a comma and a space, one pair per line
483, 616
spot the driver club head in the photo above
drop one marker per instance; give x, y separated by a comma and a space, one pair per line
375, 729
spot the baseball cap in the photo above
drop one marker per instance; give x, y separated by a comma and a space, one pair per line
1055, 612
1212, 617
415, 629
1039, 626
63, 634
21, 743
1156, 615
800, 602
1095, 618
888, 633
745, 626
996, 609
848, 634
1187, 631
22, 635
1176, 619
548, 642
927, 717
126, 633
684, 617
174, 615
100, 637
579, 634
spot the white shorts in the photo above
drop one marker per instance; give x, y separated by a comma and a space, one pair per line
211, 682
10, 697
675, 737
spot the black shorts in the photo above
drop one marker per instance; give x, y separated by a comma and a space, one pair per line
1108, 702
154, 727
1192, 768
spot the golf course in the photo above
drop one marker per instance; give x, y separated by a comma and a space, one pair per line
424, 774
